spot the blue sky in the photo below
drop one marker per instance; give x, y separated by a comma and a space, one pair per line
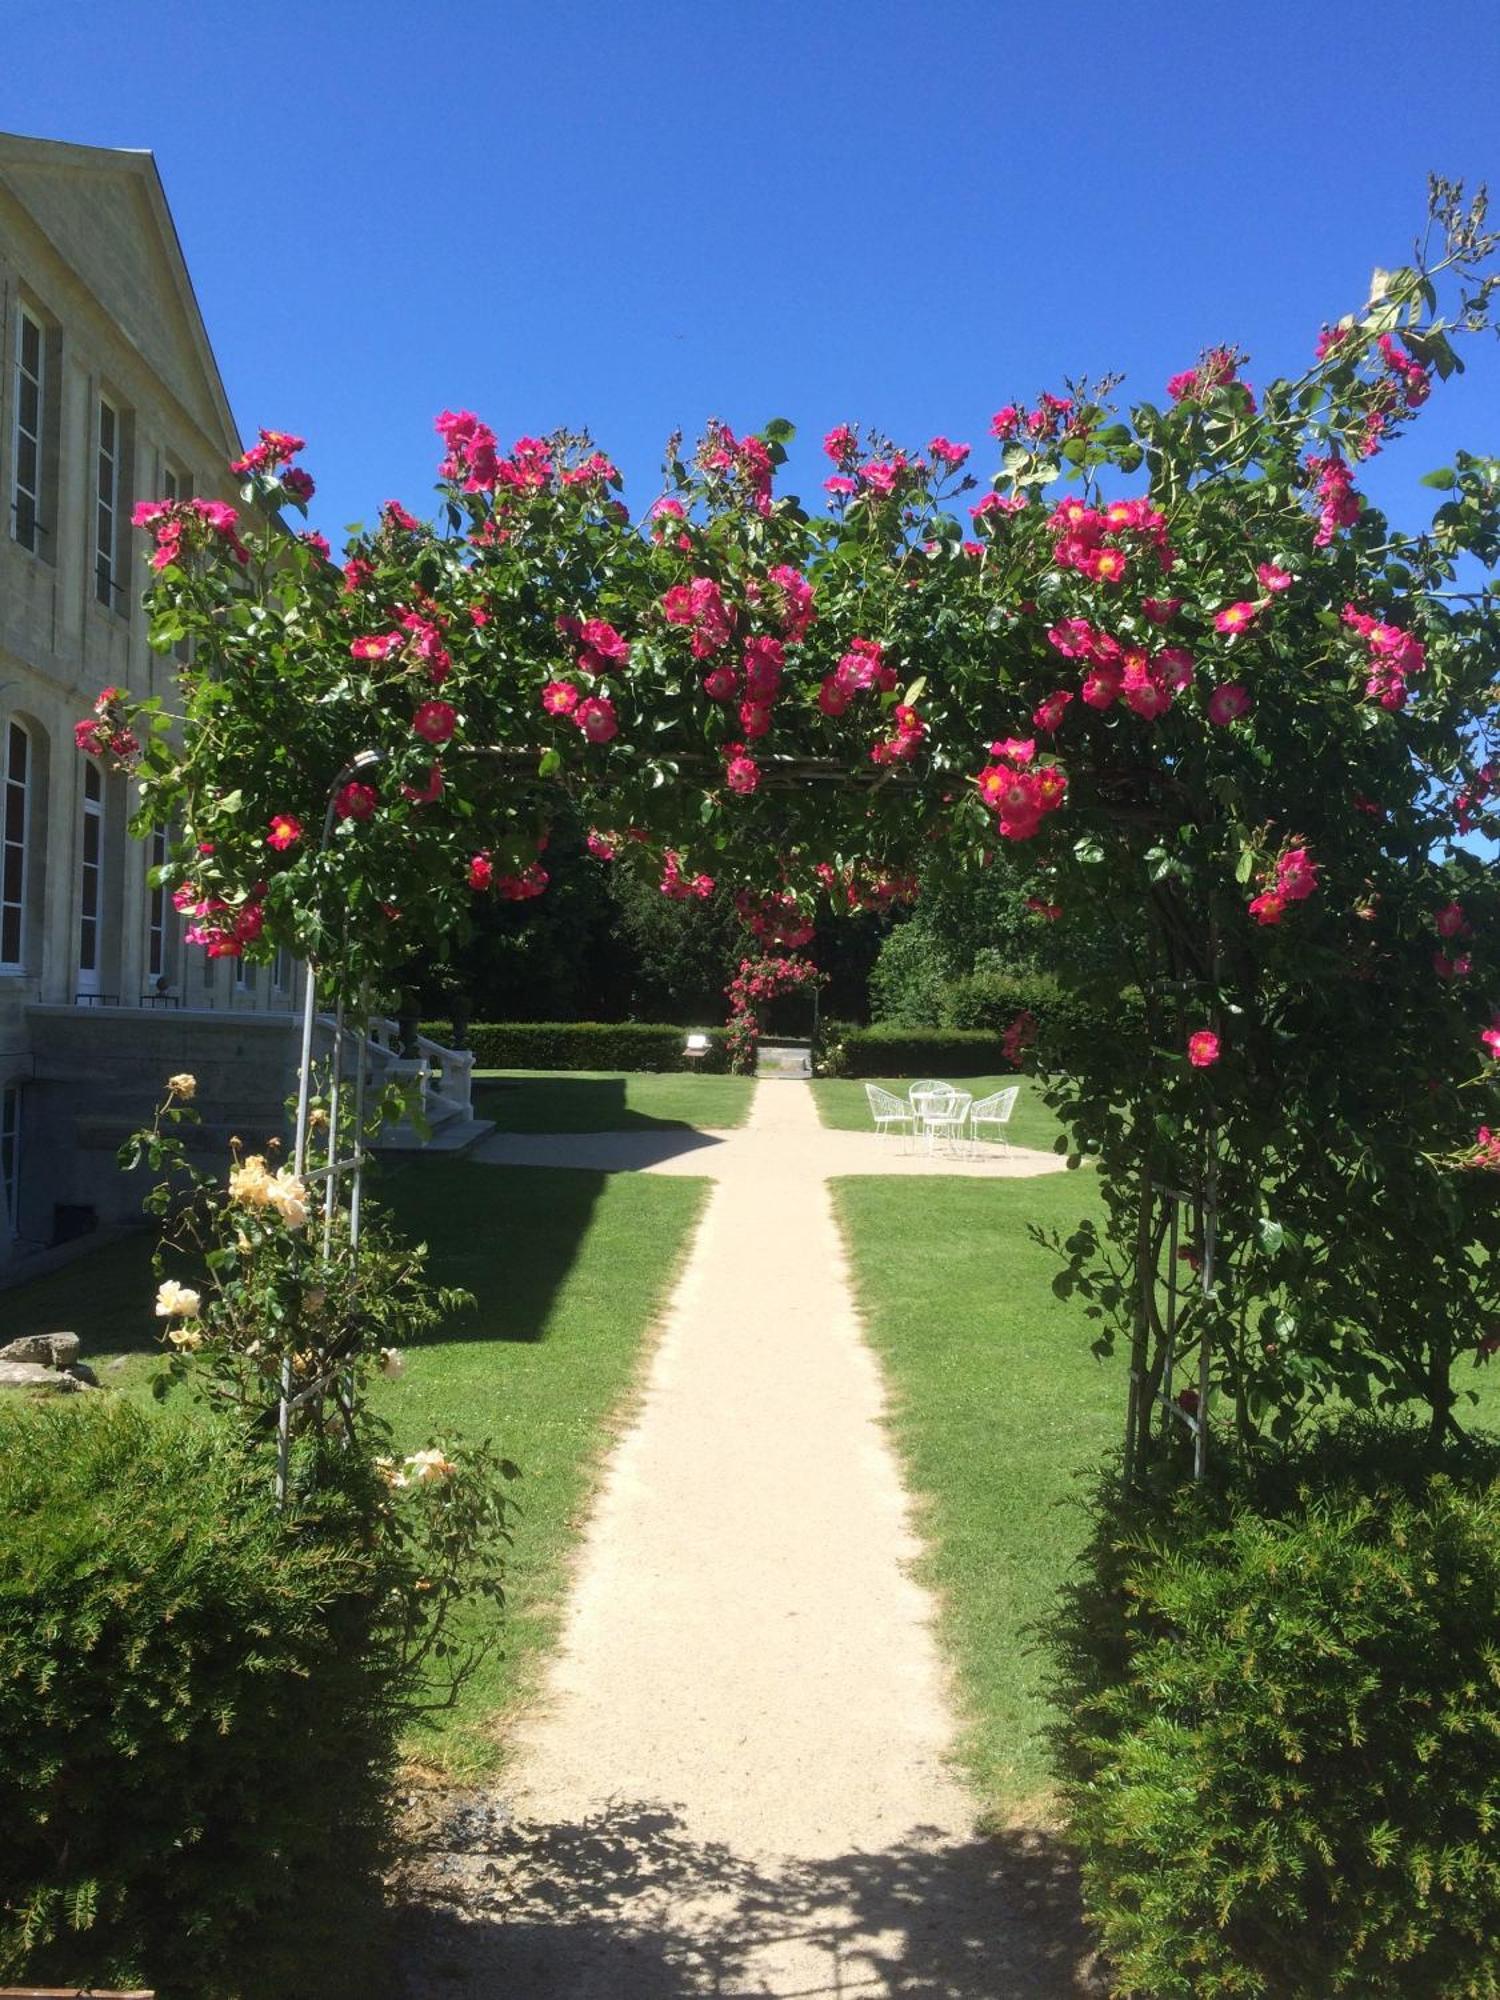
631, 218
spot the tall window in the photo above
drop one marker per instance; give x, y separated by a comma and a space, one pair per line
31, 403
91, 870
14, 829
10, 1150
156, 909
107, 503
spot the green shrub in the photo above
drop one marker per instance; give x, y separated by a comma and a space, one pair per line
991, 999
943, 1052
583, 1045
197, 1736
908, 978
1281, 1734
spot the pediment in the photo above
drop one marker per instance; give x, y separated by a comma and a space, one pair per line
105, 215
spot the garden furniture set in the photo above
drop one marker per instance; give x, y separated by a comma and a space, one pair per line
937, 1116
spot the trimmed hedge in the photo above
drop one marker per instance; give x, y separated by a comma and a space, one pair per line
1281, 1734
197, 1740
583, 1045
945, 1052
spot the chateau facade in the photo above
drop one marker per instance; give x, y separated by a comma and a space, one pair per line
109, 393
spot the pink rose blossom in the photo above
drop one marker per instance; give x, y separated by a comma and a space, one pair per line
1228, 704
435, 721
595, 716
1203, 1049
1235, 618
355, 801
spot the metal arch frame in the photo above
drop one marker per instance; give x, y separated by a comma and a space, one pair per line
1142, 1393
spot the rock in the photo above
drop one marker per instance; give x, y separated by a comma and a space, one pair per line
44, 1350
81, 1372
32, 1375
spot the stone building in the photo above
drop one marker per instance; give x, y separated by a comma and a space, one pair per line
109, 393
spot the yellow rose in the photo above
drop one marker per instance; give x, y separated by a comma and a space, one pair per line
182, 1085
288, 1196
174, 1301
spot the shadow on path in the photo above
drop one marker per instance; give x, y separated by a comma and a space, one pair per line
626, 1905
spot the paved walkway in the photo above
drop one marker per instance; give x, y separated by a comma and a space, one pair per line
739, 1780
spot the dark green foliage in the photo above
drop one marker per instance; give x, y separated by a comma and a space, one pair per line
196, 1733
992, 1000
584, 1045
947, 1052
1281, 1725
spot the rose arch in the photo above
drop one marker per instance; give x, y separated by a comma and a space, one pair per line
1169, 662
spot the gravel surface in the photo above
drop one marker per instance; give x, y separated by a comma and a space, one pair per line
739, 1779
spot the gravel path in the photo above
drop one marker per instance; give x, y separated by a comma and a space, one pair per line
738, 1781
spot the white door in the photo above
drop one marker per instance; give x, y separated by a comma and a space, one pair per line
91, 882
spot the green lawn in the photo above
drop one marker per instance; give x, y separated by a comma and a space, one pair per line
568, 1268
997, 1406
521, 1100
842, 1104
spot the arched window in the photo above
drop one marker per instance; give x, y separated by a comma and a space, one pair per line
15, 831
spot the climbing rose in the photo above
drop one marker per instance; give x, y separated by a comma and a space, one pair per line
601, 647
1266, 908
947, 453
741, 772
1228, 703
355, 801
1491, 1040
424, 795
285, 832
596, 718
1049, 712
481, 871
1272, 578
1203, 1049
435, 721
559, 697
374, 646
1296, 876
1450, 921
1235, 618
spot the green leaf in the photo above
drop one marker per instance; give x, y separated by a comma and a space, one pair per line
1444, 478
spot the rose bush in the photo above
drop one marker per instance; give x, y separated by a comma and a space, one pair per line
1229, 716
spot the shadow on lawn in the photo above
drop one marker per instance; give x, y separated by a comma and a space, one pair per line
509, 1235
563, 1103
626, 1906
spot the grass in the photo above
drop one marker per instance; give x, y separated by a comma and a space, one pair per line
522, 1100
997, 1407
569, 1270
842, 1104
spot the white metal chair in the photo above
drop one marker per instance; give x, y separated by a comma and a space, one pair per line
889, 1113
948, 1120
994, 1110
